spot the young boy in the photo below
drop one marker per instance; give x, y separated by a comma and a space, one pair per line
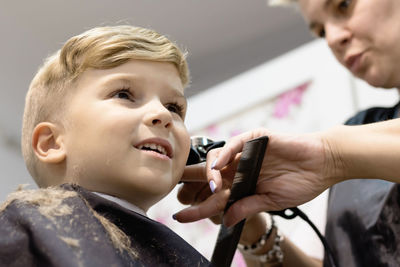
104, 138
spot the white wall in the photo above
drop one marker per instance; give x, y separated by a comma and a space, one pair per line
338, 94
12, 166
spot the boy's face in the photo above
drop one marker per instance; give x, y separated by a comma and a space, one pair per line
125, 133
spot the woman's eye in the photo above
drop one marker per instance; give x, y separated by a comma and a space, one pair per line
318, 32
343, 5
321, 33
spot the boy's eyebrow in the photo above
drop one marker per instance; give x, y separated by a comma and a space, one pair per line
129, 79
177, 93
117, 79
120, 78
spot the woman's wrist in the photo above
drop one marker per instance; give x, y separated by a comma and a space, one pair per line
254, 228
369, 150
267, 249
334, 170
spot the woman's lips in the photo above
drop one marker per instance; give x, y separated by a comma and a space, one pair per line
354, 62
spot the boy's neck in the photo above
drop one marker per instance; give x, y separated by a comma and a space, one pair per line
122, 203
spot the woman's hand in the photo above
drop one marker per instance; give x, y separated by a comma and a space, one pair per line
194, 193
295, 170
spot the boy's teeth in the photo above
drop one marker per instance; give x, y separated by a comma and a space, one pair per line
159, 148
153, 146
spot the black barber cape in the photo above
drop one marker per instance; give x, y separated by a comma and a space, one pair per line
363, 222
70, 226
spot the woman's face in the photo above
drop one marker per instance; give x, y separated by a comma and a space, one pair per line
364, 35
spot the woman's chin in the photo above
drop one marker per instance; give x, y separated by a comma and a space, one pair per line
376, 80
381, 79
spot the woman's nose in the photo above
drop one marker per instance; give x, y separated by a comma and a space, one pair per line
337, 36
157, 114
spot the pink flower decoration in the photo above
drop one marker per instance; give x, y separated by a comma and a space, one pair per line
212, 130
288, 99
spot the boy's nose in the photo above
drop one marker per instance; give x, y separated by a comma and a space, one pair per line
158, 115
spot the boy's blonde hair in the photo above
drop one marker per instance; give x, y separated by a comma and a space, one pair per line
98, 48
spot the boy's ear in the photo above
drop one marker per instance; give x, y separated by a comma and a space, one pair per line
47, 143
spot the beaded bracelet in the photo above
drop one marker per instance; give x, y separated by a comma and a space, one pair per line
274, 255
261, 241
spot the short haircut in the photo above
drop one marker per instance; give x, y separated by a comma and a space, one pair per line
97, 48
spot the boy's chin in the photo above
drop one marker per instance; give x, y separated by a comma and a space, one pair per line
144, 198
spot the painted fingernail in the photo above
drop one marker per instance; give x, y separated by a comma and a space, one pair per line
212, 186
214, 163
174, 217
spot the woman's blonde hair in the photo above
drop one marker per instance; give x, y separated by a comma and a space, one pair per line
98, 48
281, 2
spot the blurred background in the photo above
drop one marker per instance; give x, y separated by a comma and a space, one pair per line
251, 66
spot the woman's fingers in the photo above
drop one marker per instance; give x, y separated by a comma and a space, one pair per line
195, 173
193, 192
217, 159
212, 206
235, 145
247, 207
220, 158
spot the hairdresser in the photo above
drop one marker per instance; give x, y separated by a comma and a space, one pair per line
359, 161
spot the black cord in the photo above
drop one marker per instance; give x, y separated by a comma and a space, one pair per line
297, 212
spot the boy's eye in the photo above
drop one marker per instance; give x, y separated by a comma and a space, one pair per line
123, 94
176, 108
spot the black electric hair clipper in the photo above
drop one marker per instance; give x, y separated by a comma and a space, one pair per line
244, 184
199, 147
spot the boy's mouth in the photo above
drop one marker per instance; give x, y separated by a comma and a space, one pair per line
157, 145
153, 147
